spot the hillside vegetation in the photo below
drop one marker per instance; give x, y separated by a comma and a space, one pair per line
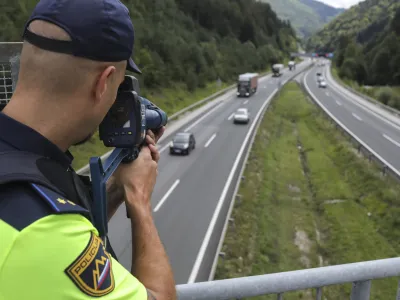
190, 41
372, 14
366, 43
307, 16
184, 46
308, 199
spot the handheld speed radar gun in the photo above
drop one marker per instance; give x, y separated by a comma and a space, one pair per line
124, 127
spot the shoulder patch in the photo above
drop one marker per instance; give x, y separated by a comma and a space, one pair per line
57, 202
91, 271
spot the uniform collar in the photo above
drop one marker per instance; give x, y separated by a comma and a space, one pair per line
24, 138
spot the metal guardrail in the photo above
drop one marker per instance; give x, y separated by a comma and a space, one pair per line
176, 116
366, 97
361, 145
360, 274
9, 66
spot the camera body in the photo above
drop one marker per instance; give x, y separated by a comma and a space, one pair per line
129, 118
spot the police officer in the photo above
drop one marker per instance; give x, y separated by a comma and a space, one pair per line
73, 59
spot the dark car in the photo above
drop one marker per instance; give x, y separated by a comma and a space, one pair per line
182, 143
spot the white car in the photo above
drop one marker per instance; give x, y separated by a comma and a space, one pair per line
242, 115
322, 84
320, 78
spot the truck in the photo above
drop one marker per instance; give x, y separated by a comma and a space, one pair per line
247, 84
277, 70
292, 65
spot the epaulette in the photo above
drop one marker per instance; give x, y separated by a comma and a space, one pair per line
58, 203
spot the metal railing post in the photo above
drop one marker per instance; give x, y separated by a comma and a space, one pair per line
319, 293
361, 290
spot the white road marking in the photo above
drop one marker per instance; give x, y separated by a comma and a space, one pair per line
221, 200
339, 103
163, 148
231, 116
210, 140
245, 102
392, 140
203, 117
357, 117
171, 189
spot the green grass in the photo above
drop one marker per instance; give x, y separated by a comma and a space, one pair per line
170, 100
287, 217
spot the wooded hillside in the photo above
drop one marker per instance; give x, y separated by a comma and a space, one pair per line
190, 41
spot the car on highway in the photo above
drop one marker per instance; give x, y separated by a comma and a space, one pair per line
242, 115
182, 143
320, 78
322, 84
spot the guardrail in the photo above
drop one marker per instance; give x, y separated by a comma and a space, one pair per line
361, 146
359, 274
176, 116
366, 97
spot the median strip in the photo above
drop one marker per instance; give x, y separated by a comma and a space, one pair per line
307, 199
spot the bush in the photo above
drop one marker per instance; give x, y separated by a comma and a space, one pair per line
394, 101
385, 95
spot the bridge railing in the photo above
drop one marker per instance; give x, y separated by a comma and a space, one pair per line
360, 274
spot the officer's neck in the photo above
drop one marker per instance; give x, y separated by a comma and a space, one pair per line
54, 123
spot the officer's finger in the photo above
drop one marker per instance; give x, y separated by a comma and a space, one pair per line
151, 134
160, 133
150, 140
155, 154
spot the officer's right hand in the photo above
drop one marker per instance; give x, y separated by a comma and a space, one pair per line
138, 179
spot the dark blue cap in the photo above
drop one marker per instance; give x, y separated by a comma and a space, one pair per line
100, 30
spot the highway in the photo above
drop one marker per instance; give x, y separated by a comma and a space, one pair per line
379, 131
192, 193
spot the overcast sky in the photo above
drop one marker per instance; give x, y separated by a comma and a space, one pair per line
341, 3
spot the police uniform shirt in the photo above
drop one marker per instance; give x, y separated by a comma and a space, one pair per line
48, 248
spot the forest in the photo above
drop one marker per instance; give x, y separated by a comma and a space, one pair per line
366, 42
189, 41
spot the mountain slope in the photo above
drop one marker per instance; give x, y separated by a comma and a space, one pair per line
189, 41
372, 15
306, 16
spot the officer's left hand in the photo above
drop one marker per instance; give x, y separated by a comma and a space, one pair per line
151, 140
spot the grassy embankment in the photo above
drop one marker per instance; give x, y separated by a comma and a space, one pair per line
169, 99
388, 95
305, 202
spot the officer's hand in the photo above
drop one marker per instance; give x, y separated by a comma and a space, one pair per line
138, 179
151, 140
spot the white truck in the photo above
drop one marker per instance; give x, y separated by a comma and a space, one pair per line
277, 70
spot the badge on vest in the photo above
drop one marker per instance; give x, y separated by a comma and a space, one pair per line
91, 271
58, 203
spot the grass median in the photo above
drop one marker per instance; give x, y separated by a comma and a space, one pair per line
308, 200
170, 100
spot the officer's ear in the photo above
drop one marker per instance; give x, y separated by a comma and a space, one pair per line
103, 83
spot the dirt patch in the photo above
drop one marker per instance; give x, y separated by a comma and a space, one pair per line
333, 201
302, 241
294, 188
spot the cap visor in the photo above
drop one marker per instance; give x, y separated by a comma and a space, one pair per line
131, 66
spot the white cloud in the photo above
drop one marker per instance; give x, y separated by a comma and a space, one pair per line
341, 3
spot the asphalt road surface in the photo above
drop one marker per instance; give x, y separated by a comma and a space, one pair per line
189, 188
379, 132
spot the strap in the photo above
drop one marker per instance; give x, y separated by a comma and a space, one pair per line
20, 166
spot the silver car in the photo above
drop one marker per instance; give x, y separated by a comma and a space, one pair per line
242, 115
